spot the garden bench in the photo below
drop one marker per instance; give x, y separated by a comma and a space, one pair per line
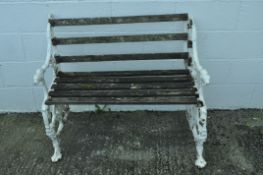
178, 86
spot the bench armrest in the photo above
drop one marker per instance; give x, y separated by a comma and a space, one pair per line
39, 77
197, 70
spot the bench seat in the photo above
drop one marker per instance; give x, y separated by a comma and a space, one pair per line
124, 87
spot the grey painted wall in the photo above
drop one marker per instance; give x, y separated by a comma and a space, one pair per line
230, 46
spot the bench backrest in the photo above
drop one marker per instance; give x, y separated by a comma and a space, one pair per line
183, 36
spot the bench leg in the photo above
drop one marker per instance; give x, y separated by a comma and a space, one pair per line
57, 114
197, 117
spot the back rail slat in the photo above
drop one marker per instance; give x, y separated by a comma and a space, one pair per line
120, 38
121, 57
118, 20
134, 79
101, 86
124, 73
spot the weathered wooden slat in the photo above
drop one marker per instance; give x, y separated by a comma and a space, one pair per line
97, 86
190, 44
133, 79
121, 57
124, 73
120, 38
122, 100
118, 20
123, 93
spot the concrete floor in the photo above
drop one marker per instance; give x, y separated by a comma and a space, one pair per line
133, 143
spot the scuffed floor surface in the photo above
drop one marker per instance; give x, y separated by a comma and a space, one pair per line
133, 143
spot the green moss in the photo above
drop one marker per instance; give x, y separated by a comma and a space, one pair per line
255, 119
101, 109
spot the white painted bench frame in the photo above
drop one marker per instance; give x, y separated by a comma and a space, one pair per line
196, 116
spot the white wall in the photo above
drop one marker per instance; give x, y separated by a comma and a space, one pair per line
230, 45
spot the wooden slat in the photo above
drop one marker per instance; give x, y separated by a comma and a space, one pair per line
124, 73
97, 86
123, 93
118, 20
120, 38
122, 100
121, 57
190, 44
133, 79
